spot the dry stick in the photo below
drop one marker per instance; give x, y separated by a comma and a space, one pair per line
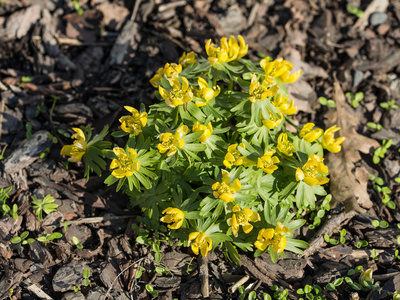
122, 272
328, 228
203, 271
38, 292
238, 283
91, 220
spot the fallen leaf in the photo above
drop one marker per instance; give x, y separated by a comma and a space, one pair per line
20, 22
348, 182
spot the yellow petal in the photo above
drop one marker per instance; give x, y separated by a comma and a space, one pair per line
67, 150
299, 174
236, 185
227, 197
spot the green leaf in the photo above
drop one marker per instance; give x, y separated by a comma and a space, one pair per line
16, 240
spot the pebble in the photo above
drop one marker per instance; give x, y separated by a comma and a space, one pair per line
358, 77
28, 152
378, 18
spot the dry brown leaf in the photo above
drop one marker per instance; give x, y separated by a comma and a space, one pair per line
348, 182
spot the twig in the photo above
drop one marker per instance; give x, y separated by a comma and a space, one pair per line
91, 220
38, 292
328, 228
385, 276
203, 271
122, 272
238, 283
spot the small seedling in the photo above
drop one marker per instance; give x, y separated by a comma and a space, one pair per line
355, 99
374, 126
77, 7
4, 208
330, 241
396, 295
311, 292
86, 275
77, 243
362, 243
354, 11
278, 295
22, 238
327, 102
389, 105
162, 271
152, 291
10, 292
45, 238
381, 151
2, 152
64, 133
374, 255
45, 205
332, 286
316, 217
342, 236
139, 272
28, 127
397, 180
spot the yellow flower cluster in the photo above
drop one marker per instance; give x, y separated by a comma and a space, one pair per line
224, 190
135, 123
169, 72
204, 92
267, 161
125, 165
234, 157
170, 142
78, 148
311, 169
261, 91
180, 93
242, 217
280, 69
284, 145
328, 141
272, 237
207, 131
174, 216
200, 241
229, 50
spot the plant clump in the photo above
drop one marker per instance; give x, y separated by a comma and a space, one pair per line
213, 163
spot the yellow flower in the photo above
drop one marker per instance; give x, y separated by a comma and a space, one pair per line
241, 217
204, 92
283, 105
225, 191
207, 131
169, 141
285, 146
273, 120
280, 69
126, 164
272, 237
236, 158
200, 242
169, 72
310, 135
267, 161
311, 169
261, 91
135, 123
179, 94
78, 148
329, 142
228, 51
173, 215
187, 59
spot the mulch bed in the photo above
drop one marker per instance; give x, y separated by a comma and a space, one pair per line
61, 69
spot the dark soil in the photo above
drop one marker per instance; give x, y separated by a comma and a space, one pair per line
60, 69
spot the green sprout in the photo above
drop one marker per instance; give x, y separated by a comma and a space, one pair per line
354, 11
389, 105
381, 151
45, 205
327, 102
355, 99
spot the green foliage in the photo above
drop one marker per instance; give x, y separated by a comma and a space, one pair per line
381, 151
354, 11
362, 243
77, 7
28, 127
389, 105
76, 242
86, 275
355, 99
45, 238
327, 102
152, 291
213, 164
4, 207
22, 239
41, 206
311, 292
374, 126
